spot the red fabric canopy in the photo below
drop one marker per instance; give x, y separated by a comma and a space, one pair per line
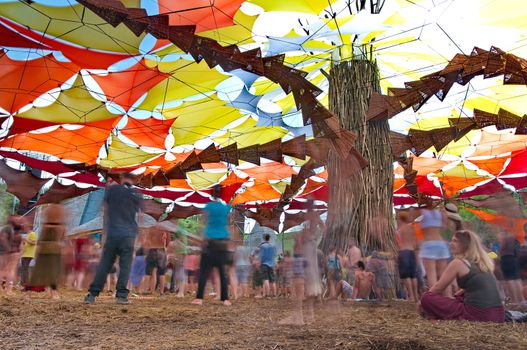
52, 167
517, 164
491, 187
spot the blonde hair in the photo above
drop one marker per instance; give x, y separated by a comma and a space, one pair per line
473, 251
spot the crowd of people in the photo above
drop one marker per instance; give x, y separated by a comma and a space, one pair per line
442, 267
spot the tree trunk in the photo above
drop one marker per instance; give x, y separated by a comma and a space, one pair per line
360, 207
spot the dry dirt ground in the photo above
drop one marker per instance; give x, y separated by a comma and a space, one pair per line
171, 323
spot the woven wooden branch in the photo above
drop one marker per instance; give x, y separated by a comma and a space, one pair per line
461, 69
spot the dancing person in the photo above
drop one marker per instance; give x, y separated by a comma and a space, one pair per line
267, 264
479, 298
48, 264
122, 203
28, 254
434, 251
216, 234
363, 282
407, 262
510, 267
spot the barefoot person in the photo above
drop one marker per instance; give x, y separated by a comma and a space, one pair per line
267, 264
407, 262
434, 250
479, 298
121, 205
215, 246
48, 264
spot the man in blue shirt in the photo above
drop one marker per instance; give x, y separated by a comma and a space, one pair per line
267, 263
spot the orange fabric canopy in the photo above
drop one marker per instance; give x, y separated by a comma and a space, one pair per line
205, 14
492, 144
453, 184
270, 171
126, 87
260, 191
24, 81
81, 145
493, 166
512, 225
423, 165
149, 132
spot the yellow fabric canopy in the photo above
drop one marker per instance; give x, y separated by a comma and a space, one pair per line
74, 105
121, 155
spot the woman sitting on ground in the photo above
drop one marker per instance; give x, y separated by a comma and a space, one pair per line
479, 298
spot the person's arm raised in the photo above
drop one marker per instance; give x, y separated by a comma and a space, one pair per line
447, 277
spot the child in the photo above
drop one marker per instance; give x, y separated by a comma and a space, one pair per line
363, 282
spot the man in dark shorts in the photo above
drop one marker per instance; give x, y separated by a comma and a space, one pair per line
407, 262
267, 263
156, 240
121, 205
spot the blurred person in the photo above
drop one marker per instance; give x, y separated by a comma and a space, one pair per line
48, 264
191, 265
138, 270
82, 247
242, 263
122, 203
334, 271
407, 262
12, 258
156, 240
510, 267
286, 274
256, 275
267, 264
363, 282
434, 251
454, 222
214, 250
354, 255
176, 255
479, 298
28, 254
298, 273
312, 231
344, 290
377, 266
6, 232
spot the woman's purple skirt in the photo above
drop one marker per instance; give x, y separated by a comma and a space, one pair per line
439, 307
